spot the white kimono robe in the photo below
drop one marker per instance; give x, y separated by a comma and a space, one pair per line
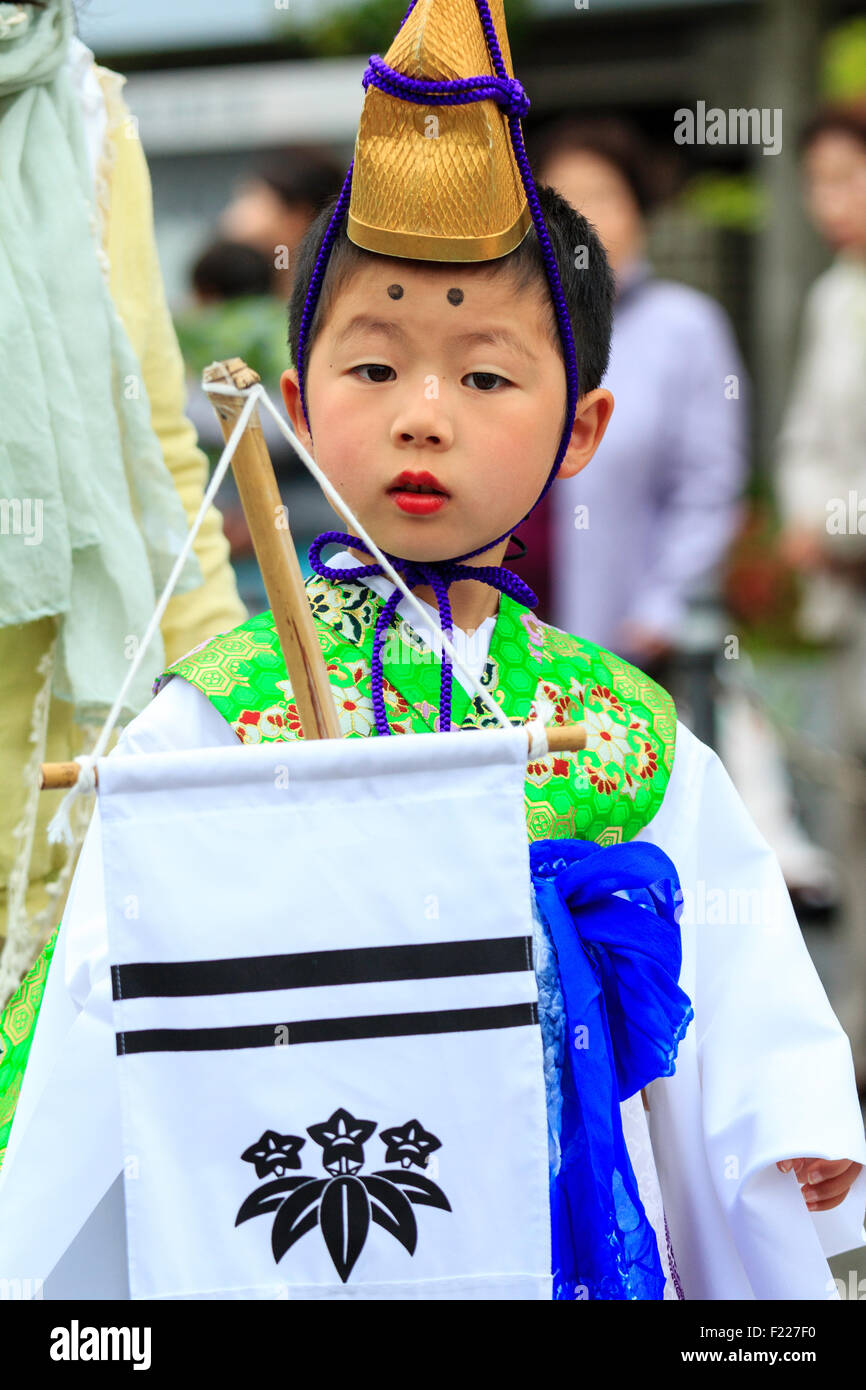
764, 1072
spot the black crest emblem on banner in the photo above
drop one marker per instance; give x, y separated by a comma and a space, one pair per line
344, 1204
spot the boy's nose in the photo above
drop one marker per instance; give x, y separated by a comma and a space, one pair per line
407, 438
423, 424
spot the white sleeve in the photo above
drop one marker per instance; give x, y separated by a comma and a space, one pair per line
180, 717
767, 1073
65, 1147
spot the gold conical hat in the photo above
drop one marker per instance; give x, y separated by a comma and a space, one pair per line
438, 183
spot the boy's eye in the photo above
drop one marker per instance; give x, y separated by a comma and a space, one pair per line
374, 367
484, 380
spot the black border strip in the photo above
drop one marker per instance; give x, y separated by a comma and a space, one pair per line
310, 969
318, 1030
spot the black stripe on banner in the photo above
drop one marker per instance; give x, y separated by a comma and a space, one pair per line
318, 1030
310, 969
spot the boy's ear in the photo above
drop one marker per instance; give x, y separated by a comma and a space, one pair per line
292, 400
590, 422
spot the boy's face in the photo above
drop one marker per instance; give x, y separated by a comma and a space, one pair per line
436, 402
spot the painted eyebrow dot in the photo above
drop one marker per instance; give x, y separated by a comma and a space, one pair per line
455, 296
395, 291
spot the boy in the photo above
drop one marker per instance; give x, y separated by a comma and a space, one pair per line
436, 396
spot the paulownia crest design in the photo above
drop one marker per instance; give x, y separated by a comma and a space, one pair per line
344, 1204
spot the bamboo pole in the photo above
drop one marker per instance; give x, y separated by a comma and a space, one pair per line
275, 552
561, 738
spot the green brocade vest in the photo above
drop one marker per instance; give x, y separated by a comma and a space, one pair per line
606, 792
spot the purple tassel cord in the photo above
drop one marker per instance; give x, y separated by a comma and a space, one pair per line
439, 574
508, 93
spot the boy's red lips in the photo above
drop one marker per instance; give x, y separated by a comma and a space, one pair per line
417, 482
418, 494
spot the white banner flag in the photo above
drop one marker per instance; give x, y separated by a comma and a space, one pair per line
326, 1014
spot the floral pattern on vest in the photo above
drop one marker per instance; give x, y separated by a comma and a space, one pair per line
606, 792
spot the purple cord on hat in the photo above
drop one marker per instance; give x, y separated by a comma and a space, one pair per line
507, 91
440, 574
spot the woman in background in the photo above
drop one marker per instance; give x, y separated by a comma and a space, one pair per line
655, 514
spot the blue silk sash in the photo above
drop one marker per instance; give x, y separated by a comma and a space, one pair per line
619, 961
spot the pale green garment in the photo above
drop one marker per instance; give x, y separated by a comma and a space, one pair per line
90, 520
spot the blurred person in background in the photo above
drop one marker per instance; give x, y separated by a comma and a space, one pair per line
821, 487
821, 466
234, 313
654, 517
240, 290
92, 433
275, 204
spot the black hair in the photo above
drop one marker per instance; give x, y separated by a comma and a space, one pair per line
649, 176
849, 119
230, 269
303, 176
587, 280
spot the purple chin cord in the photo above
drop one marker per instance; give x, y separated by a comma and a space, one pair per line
508, 93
